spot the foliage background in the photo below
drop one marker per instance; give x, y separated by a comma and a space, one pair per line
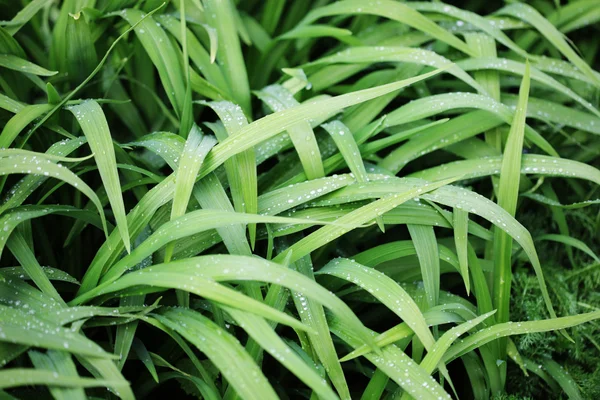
191, 125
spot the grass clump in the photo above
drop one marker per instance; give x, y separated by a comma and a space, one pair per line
299, 199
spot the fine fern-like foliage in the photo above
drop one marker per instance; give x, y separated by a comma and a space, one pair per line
318, 199
574, 289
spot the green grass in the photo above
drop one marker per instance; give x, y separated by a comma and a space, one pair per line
317, 199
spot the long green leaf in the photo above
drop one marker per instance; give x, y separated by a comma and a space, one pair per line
223, 350
95, 127
508, 193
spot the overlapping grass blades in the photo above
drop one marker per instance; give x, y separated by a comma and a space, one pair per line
376, 202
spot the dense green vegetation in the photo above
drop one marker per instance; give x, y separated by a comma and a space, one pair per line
302, 199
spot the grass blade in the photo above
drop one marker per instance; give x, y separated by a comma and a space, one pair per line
508, 193
162, 53
95, 127
279, 99
460, 222
61, 363
15, 63
195, 150
426, 247
18, 246
241, 170
389, 9
44, 167
223, 350
221, 15
533, 17
260, 331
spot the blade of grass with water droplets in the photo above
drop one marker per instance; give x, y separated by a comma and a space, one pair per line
167, 145
329, 75
360, 216
187, 225
439, 136
508, 193
44, 167
52, 273
387, 291
201, 59
138, 218
260, 331
21, 328
19, 248
20, 120
480, 22
435, 355
312, 314
453, 196
380, 54
223, 350
61, 363
545, 110
435, 104
270, 125
15, 63
389, 9
209, 192
460, 223
198, 285
245, 268
24, 15
8, 104
279, 99
562, 377
562, 68
410, 212
530, 15
15, 377
163, 54
486, 335
397, 365
15, 289
203, 270
222, 16
348, 148
195, 150
426, 247
515, 67
95, 127
555, 203
534, 164
346, 143
241, 170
